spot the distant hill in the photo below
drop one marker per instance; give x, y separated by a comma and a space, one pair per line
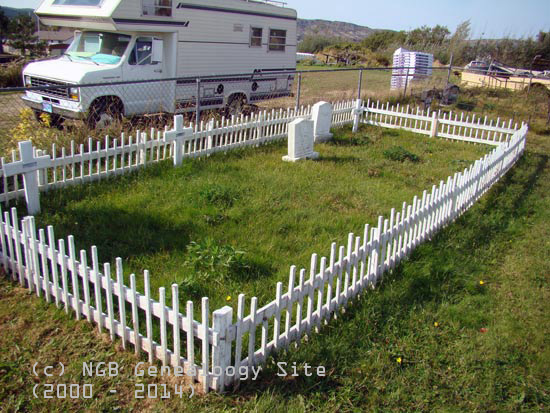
349, 31
11, 12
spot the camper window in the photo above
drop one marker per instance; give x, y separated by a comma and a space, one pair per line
142, 52
277, 40
256, 37
157, 7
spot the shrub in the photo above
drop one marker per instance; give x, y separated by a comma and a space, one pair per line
400, 154
10, 74
30, 128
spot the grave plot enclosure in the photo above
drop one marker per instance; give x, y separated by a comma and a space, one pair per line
245, 332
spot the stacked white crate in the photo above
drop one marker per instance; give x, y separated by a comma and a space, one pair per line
419, 64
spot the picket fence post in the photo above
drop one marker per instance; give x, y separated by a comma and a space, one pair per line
357, 114
221, 352
210, 136
178, 135
29, 165
435, 125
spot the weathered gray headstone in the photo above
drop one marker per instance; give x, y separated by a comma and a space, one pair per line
300, 141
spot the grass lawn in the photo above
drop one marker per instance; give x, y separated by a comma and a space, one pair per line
235, 222
488, 352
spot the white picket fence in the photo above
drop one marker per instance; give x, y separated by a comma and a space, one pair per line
215, 354
331, 283
450, 125
99, 160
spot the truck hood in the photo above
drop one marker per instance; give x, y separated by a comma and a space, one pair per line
66, 71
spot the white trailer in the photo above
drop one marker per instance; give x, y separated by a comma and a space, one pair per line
168, 43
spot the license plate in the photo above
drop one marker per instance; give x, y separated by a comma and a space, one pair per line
47, 107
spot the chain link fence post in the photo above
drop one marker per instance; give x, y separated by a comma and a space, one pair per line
298, 91
406, 83
359, 83
198, 103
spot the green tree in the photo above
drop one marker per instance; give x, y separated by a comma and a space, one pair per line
543, 45
315, 43
458, 43
383, 39
22, 36
428, 37
4, 25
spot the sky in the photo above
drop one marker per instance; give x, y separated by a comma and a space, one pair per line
489, 18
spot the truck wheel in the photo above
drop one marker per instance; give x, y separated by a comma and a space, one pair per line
104, 112
236, 105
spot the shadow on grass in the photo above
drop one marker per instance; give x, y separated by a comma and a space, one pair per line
344, 140
338, 159
120, 233
444, 270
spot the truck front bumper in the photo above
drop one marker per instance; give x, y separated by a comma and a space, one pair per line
63, 111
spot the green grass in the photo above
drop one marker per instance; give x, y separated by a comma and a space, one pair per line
235, 222
489, 352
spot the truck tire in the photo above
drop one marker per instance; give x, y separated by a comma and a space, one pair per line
104, 112
235, 104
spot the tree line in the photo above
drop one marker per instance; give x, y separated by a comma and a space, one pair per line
377, 49
20, 33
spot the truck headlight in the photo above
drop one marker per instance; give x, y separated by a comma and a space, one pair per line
27, 81
74, 93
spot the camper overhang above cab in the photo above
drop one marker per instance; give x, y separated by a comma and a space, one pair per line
82, 14
148, 15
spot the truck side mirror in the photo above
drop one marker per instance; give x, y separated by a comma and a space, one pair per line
157, 52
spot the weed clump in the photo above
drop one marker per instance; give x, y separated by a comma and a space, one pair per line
400, 154
213, 262
207, 261
219, 195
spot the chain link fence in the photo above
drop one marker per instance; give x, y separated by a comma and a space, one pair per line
47, 111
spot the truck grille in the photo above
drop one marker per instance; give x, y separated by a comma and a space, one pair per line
57, 92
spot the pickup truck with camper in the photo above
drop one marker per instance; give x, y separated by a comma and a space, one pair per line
146, 56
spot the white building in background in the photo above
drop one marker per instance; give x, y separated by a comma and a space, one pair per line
419, 66
304, 56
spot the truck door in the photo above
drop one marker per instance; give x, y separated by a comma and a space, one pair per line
144, 97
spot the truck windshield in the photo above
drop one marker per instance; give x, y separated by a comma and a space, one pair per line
104, 48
